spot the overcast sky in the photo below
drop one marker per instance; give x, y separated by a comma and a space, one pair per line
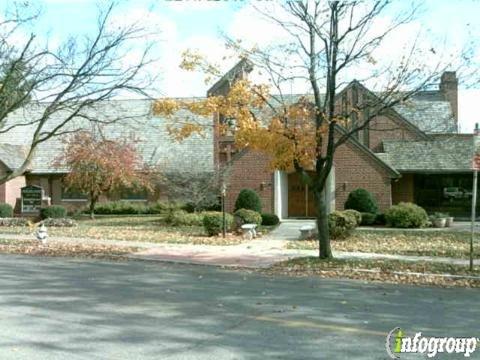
179, 25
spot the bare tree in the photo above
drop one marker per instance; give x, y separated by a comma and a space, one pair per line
330, 38
53, 87
200, 190
326, 45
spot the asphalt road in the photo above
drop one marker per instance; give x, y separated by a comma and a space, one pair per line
54, 308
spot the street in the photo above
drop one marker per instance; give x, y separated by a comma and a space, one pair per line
59, 308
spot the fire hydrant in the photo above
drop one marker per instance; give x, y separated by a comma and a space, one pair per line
42, 234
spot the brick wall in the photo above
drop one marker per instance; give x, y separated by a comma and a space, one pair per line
13, 192
384, 128
449, 88
403, 189
250, 170
355, 169
2, 192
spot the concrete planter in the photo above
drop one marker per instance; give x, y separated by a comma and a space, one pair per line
449, 221
440, 222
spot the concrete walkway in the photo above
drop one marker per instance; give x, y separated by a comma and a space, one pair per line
289, 229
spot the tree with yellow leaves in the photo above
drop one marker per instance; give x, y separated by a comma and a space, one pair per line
325, 41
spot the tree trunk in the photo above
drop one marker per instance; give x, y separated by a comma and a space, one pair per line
93, 202
325, 251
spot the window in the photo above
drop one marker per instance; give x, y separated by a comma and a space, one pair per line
72, 194
134, 195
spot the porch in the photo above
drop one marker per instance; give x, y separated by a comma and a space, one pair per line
293, 199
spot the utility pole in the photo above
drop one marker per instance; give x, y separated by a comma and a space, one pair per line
475, 167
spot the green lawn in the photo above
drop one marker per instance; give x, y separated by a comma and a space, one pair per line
133, 228
449, 244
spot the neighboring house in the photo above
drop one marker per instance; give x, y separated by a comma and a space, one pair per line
411, 153
130, 119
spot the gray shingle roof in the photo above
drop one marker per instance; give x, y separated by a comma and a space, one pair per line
136, 121
427, 110
12, 155
452, 153
428, 114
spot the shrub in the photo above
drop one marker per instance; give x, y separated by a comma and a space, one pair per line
245, 216
54, 212
269, 219
65, 222
380, 219
11, 221
341, 224
248, 199
183, 218
159, 207
368, 218
207, 205
361, 200
213, 222
356, 214
120, 208
6, 211
406, 215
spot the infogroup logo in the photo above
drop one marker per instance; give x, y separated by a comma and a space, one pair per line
397, 343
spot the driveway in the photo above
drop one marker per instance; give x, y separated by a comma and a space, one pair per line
55, 308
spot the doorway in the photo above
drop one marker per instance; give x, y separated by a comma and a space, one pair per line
300, 198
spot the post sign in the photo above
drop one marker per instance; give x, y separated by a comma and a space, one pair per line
476, 149
31, 198
476, 168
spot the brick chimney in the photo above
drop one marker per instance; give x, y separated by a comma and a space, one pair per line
449, 89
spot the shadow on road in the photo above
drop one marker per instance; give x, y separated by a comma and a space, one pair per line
97, 309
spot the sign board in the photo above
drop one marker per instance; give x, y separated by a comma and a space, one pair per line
31, 198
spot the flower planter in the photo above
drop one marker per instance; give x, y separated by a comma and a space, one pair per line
439, 223
449, 221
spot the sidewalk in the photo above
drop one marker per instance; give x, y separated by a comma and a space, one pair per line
258, 253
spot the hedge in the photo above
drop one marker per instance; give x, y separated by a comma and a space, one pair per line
6, 210
213, 222
53, 212
361, 200
134, 208
368, 218
406, 215
183, 218
245, 216
248, 199
341, 224
356, 214
269, 219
